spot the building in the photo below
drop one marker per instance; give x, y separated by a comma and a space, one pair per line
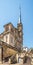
13, 36
11, 45
11, 40
25, 49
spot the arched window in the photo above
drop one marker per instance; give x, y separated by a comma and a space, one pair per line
11, 39
6, 38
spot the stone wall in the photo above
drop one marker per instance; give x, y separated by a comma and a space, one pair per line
0, 54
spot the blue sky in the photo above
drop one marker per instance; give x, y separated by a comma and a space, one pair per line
9, 12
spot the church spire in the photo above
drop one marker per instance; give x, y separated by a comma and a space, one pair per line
19, 15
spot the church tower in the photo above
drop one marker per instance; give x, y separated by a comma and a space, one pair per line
20, 30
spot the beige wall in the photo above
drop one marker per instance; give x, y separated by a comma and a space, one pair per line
8, 37
13, 40
0, 54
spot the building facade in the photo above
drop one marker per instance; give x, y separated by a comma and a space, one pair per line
11, 45
11, 40
13, 36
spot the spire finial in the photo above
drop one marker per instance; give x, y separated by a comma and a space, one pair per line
19, 14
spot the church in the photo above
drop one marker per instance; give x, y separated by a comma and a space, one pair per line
11, 40
11, 45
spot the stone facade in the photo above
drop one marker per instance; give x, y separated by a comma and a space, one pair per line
11, 45
0, 55
11, 41
13, 36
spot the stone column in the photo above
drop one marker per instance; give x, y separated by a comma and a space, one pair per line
17, 57
0, 54
22, 60
32, 60
9, 61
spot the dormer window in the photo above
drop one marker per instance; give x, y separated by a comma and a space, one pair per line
7, 28
11, 39
6, 38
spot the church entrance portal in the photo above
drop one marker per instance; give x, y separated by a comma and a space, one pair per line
27, 60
